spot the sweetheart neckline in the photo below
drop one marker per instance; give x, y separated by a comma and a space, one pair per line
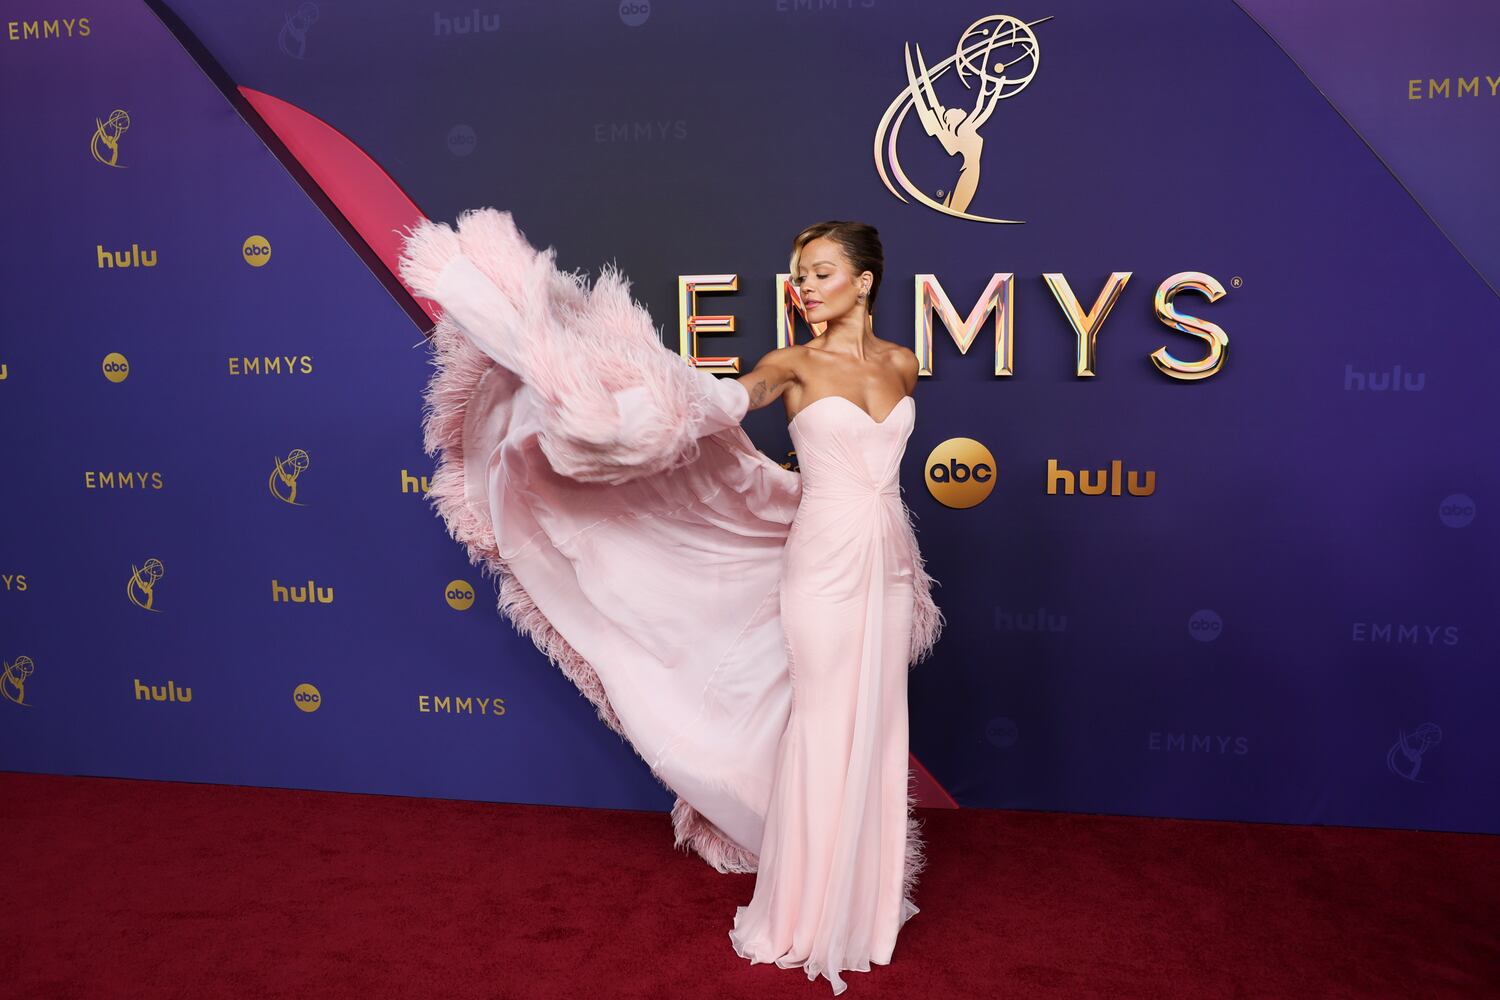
878, 423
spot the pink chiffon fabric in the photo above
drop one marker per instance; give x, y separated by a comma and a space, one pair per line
831, 894
747, 629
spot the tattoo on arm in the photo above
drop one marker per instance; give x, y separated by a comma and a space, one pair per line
758, 394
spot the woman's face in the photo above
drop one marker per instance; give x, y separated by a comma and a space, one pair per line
827, 284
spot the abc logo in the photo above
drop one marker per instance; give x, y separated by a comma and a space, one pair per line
461, 140
1205, 625
1456, 511
257, 250
460, 595
960, 473
635, 12
116, 368
307, 698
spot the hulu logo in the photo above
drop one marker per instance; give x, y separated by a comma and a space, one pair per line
1095, 483
464, 24
153, 692
134, 257
309, 594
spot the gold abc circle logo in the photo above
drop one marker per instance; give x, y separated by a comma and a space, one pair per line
307, 698
115, 367
960, 473
459, 594
257, 251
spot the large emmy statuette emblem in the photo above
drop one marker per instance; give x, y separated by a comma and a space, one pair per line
1000, 53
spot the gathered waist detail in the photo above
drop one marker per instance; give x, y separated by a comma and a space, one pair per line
848, 491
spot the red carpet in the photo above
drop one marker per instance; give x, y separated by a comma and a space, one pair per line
151, 889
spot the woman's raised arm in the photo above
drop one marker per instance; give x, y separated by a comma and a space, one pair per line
770, 377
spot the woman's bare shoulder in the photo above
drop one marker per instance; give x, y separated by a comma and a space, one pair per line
789, 359
904, 360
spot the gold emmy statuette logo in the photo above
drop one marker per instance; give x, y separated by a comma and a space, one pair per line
13, 682
307, 697
115, 367
257, 251
961, 473
998, 51
459, 594
283, 480
141, 589
105, 144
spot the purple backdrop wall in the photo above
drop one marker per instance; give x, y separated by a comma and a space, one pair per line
1296, 625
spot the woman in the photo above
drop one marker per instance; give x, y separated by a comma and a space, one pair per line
745, 628
831, 892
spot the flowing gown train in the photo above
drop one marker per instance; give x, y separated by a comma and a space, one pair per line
746, 629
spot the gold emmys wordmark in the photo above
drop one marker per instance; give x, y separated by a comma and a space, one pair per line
1452, 87
961, 473
256, 250
106, 137
934, 309
141, 588
49, 28
283, 481
459, 594
13, 682
307, 698
122, 479
957, 130
115, 367
460, 705
284, 364
16, 581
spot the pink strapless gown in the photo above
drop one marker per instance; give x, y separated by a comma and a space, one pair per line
747, 629
830, 893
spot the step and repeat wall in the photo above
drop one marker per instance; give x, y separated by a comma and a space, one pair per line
1204, 458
